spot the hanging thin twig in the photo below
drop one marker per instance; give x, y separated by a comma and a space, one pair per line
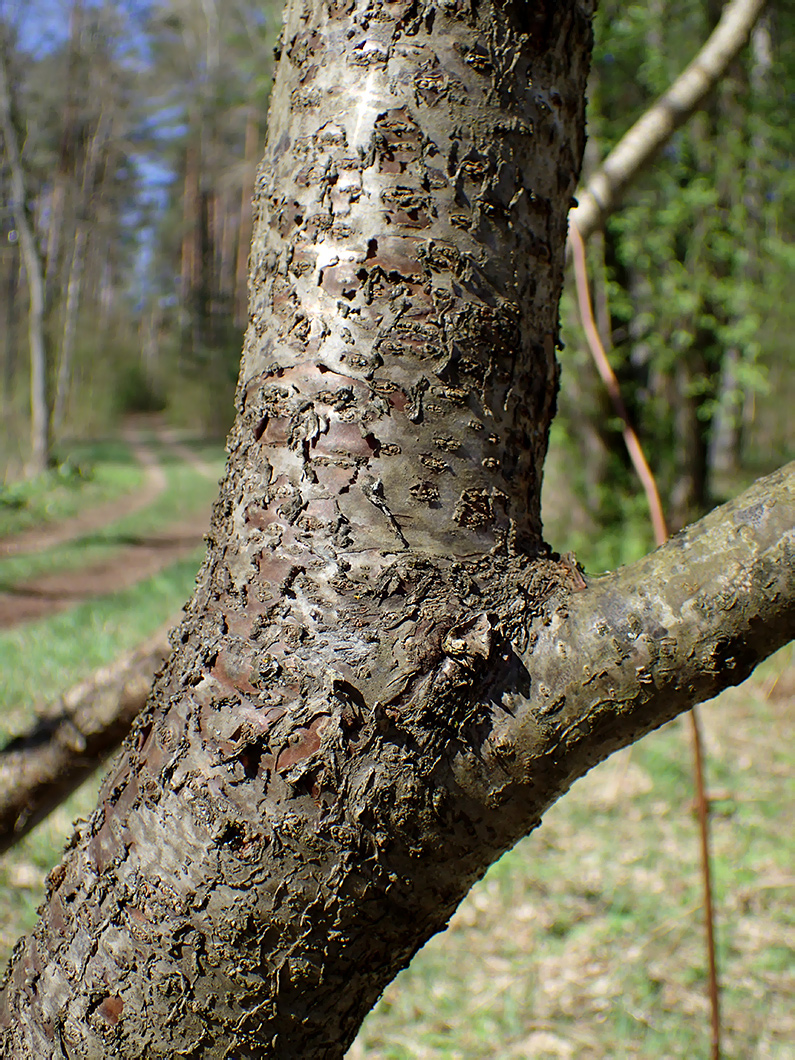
647, 479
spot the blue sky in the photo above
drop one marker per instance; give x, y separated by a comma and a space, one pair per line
44, 24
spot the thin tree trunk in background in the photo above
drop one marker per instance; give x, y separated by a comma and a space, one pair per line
56, 209
691, 441
191, 239
150, 342
10, 265
65, 170
709, 365
759, 174
734, 400
39, 404
107, 293
225, 239
69, 335
726, 437
201, 313
77, 267
250, 157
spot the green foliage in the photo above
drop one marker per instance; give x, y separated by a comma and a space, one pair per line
696, 261
135, 391
86, 474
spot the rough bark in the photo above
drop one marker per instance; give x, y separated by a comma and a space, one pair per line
42, 767
384, 677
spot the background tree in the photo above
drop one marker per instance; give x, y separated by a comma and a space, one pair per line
23, 231
689, 275
117, 117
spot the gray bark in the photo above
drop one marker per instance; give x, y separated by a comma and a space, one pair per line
384, 676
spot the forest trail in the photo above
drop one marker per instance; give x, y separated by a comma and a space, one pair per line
138, 557
40, 538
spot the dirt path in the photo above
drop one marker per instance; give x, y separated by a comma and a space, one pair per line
139, 559
170, 437
50, 593
86, 522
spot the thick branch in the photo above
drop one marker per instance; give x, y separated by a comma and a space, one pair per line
653, 639
639, 146
44, 766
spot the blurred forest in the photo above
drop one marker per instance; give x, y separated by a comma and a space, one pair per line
131, 132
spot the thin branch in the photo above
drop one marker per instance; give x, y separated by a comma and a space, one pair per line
611, 383
637, 147
649, 482
702, 807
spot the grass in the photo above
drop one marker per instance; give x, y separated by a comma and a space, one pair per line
187, 493
585, 941
42, 659
91, 473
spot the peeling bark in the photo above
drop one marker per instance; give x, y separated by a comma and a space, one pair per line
384, 676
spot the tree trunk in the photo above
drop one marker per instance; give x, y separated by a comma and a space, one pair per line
65, 170
94, 154
191, 244
10, 274
39, 401
383, 678
69, 334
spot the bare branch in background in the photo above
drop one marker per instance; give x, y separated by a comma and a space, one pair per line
639, 146
41, 768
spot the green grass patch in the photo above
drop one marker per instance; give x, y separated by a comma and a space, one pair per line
187, 493
87, 474
42, 659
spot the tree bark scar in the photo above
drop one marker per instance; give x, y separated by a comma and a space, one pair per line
374, 492
469, 641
